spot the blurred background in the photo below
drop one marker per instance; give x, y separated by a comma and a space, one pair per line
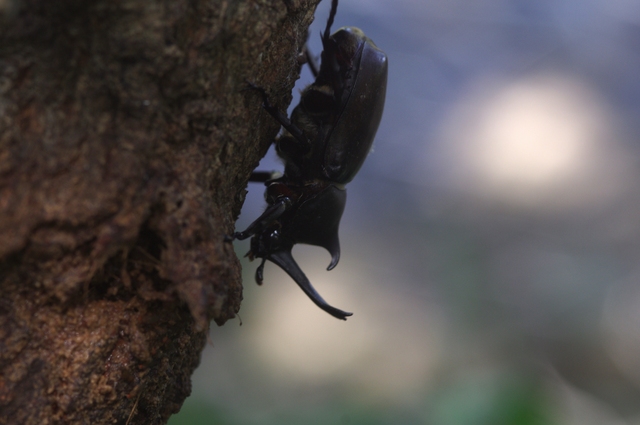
490, 243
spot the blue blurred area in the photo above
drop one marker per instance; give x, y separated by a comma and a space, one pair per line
490, 244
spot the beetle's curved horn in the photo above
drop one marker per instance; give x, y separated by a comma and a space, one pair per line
333, 246
285, 261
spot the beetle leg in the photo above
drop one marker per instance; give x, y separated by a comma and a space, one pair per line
285, 261
280, 117
332, 15
260, 272
270, 215
263, 176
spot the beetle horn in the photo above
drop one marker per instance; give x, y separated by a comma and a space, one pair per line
333, 246
285, 261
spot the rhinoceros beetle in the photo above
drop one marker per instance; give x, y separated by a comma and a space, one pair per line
323, 146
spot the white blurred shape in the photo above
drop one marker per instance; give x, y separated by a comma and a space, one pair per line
543, 142
386, 350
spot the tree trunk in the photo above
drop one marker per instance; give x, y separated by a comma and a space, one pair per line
126, 141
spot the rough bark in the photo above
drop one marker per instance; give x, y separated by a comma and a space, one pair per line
126, 141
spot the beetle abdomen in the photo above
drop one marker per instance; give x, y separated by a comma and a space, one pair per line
352, 136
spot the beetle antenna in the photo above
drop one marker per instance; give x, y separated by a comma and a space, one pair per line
332, 14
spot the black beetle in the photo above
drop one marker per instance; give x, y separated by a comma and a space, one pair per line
325, 143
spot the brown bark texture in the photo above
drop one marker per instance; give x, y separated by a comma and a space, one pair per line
126, 141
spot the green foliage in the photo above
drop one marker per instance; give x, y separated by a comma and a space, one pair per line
197, 412
491, 400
